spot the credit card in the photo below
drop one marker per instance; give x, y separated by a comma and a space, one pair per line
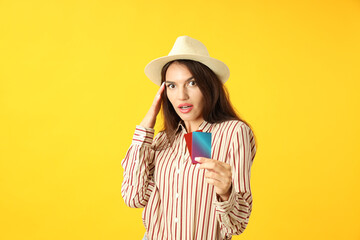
198, 144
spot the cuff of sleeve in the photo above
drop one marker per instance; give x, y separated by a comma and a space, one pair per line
225, 206
143, 136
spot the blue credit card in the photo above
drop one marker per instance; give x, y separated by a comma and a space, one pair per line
201, 145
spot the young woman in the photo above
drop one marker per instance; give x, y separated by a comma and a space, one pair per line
208, 200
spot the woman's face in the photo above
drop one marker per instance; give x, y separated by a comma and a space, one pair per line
184, 94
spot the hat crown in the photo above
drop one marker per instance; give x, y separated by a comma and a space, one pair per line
188, 45
189, 48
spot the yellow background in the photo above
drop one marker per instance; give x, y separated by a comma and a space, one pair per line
72, 89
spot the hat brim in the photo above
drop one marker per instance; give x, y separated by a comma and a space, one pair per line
153, 68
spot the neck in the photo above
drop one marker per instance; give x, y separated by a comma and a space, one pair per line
192, 126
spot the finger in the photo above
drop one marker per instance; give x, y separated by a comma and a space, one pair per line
161, 89
204, 163
156, 101
202, 160
218, 177
216, 183
205, 160
223, 185
225, 180
213, 165
222, 172
226, 165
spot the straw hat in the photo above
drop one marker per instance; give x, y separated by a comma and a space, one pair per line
187, 48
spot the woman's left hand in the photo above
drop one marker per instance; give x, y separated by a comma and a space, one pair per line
218, 174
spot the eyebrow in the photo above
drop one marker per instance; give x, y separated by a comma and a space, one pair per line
185, 81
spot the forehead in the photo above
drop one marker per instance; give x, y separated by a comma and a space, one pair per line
178, 72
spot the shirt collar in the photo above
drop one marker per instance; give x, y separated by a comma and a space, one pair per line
180, 126
204, 126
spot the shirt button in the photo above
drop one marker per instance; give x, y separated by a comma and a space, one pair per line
176, 220
178, 171
177, 195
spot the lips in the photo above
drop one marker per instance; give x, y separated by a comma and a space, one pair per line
185, 107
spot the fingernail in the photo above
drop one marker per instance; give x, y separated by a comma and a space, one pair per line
162, 84
197, 159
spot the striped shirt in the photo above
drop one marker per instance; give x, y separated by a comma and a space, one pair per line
178, 203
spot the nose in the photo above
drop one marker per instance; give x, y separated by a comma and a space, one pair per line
183, 94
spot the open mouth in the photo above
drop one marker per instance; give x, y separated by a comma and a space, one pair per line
186, 107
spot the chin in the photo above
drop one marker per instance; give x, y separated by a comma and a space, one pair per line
187, 118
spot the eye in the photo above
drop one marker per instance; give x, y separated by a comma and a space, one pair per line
192, 83
170, 85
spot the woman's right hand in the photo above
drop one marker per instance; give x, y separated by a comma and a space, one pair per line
150, 118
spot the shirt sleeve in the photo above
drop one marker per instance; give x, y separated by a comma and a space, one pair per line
233, 214
138, 168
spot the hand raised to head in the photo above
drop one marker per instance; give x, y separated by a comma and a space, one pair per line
150, 118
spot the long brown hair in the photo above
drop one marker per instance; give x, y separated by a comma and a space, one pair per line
217, 108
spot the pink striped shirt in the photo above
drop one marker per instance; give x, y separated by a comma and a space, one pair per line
178, 203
